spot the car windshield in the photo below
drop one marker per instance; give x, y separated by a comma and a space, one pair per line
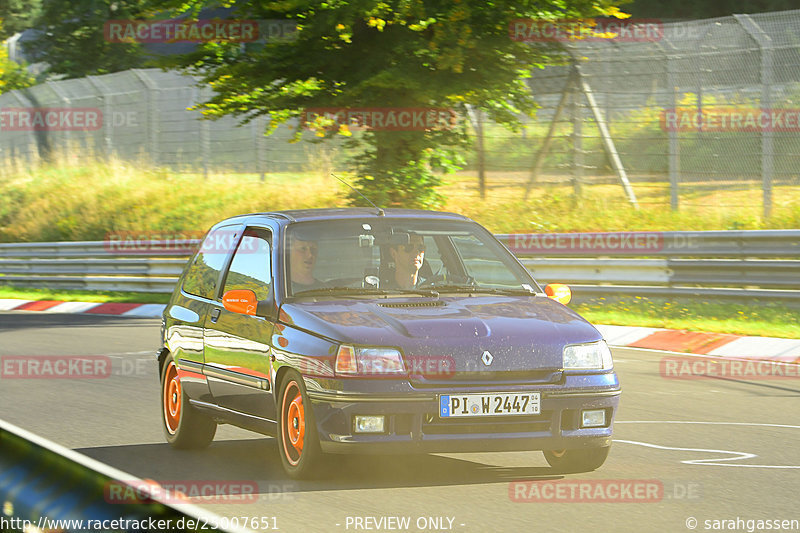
385, 256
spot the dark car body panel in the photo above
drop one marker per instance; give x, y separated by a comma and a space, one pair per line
231, 364
520, 332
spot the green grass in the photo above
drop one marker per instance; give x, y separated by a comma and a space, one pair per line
767, 319
72, 202
553, 207
83, 296
87, 202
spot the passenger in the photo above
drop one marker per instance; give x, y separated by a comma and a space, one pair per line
408, 259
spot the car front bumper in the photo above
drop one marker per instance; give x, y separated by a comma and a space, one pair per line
412, 424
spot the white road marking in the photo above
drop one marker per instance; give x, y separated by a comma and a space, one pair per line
707, 423
709, 462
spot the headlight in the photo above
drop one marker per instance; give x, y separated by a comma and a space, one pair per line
369, 361
594, 356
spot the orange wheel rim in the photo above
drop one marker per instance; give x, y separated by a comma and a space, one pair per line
297, 424
172, 398
294, 423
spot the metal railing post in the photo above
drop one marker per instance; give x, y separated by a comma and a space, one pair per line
764, 43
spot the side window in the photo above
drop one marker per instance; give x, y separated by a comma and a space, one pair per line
432, 265
251, 265
483, 264
201, 279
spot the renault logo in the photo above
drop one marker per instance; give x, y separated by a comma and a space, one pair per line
487, 358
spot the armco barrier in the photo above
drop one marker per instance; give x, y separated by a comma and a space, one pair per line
54, 489
673, 244
742, 264
759, 264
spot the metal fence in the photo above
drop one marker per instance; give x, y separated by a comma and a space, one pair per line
674, 116
689, 107
144, 115
740, 264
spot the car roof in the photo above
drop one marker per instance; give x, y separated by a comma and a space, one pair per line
338, 213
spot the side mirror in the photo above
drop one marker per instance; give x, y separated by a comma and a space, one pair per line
241, 301
558, 292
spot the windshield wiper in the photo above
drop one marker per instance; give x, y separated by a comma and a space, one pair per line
507, 290
454, 288
493, 290
364, 290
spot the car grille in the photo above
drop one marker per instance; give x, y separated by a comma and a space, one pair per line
481, 378
434, 303
433, 425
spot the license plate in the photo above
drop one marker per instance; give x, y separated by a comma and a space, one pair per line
489, 404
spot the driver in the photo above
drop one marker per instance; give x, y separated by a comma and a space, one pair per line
302, 259
408, 259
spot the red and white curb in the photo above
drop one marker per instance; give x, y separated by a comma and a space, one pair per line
670, 340
700, 343
55, 306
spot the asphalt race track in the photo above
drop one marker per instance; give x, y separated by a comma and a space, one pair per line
687, 453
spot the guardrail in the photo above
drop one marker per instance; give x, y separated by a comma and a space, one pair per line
742, 264
674, 244
46, 487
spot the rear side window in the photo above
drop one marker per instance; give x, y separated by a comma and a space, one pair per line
251, 265
201, 279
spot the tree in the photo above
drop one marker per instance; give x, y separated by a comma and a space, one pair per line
12, 75
73, 43
17, 16
391, 54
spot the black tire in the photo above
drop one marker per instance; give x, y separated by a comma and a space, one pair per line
298, 441
184, 426
574, 461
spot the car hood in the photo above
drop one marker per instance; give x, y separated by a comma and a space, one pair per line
521, 333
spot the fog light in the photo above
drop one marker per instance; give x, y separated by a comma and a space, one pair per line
369, 424
593, 419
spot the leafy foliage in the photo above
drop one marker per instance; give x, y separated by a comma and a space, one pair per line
12, 75
346, 54
73, 43
393, 54
17, 16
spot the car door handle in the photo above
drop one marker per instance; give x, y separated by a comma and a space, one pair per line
215, 315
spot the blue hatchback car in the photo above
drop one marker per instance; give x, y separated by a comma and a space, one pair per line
369, 331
